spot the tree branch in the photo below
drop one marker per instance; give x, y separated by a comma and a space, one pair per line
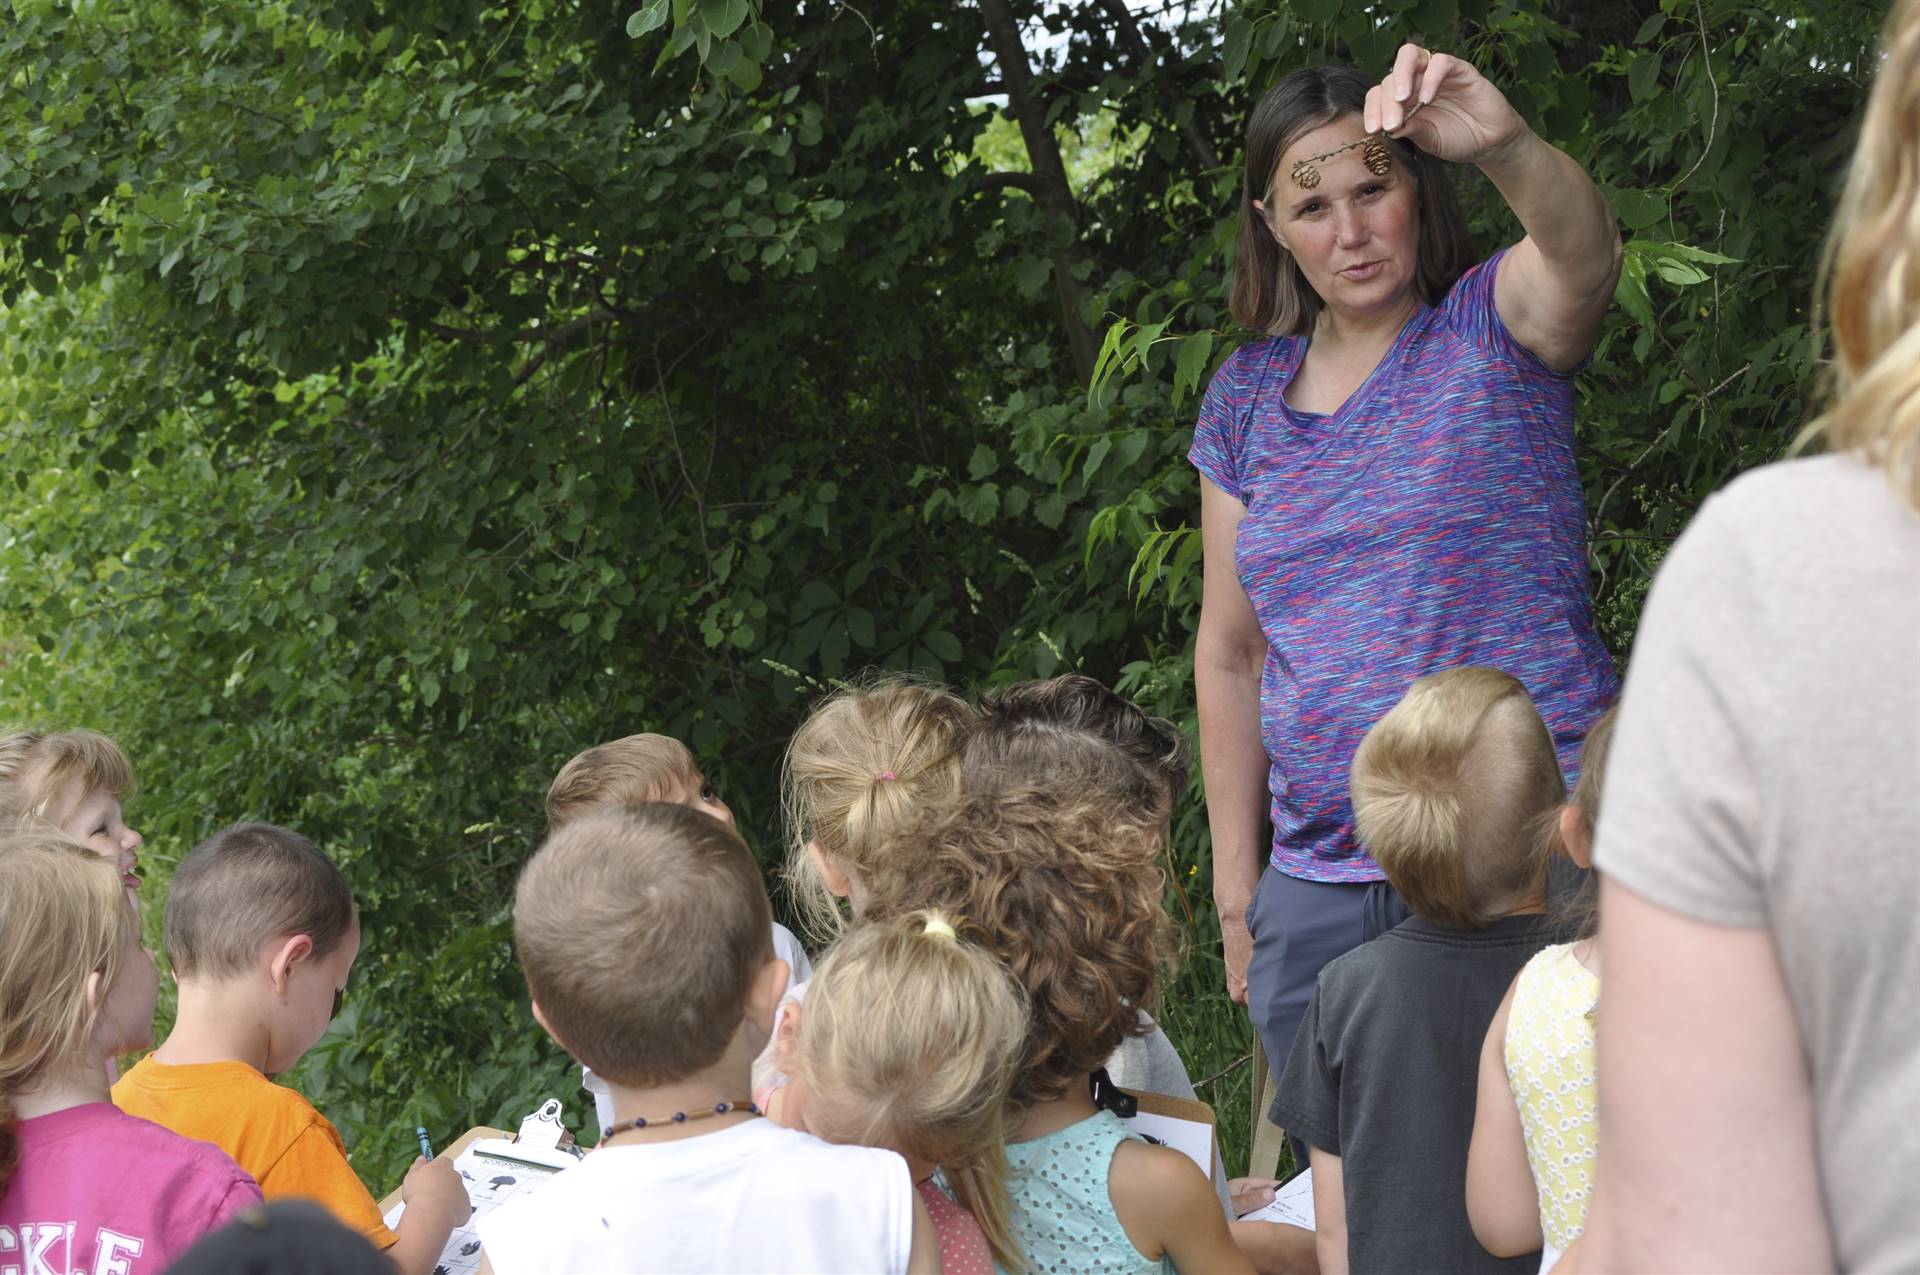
1196, 141
1002, 181
1050, 187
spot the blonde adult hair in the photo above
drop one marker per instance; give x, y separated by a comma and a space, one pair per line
868, 760
640, 929
910, 1039
624, 772
63, 917
1451, 793
1870, 275
1067, 891
36, 767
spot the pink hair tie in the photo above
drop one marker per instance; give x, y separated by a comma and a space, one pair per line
887, 776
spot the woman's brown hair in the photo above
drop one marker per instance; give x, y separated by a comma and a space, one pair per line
1270, 294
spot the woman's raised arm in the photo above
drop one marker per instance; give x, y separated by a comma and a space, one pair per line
1554, 286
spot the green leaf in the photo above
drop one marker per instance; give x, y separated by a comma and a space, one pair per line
1643, 75
723, 17
651, 18
1191, 364
1638, 208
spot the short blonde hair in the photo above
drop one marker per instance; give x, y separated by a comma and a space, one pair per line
1067, 891
867, 761
910, 1039
1452, 791
640, 929
624, 772
36, 767
63, 917
1870, 275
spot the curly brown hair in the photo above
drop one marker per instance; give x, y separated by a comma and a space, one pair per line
1073, 730
1065, 889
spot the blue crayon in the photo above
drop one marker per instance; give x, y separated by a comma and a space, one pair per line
426, 1148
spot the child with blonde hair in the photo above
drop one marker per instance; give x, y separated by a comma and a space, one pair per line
910, 1040
84, 1187
262, 933
631, 771
643, 934
867, 761
1535, 1125
74, 780
1451, 792
1065, 888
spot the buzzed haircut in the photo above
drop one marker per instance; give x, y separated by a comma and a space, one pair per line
1454, 794
640, 929
623, 772
246, 886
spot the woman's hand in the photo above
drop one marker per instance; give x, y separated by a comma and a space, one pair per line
1462, 116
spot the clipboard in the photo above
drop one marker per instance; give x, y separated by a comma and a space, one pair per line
1185, 1124
496, 1166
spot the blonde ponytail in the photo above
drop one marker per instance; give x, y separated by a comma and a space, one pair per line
867, 760
1870, 276
63, 917
911, 1040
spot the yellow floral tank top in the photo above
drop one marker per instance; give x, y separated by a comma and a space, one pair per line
1550, 1066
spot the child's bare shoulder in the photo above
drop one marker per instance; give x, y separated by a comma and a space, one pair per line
1153, 1184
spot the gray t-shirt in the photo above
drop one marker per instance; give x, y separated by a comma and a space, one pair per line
1383, 1074
1766, 773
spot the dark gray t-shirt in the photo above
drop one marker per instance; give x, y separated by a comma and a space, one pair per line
1383, 1074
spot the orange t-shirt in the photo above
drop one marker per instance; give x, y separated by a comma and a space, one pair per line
269, 1130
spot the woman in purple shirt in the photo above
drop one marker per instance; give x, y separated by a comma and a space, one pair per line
1388, 486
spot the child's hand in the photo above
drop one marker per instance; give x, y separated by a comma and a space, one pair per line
1248, 1194
432, 1185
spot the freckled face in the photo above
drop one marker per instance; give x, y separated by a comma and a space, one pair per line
1355, 235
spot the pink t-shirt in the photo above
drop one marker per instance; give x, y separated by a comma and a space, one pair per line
99, 1192
963, 1245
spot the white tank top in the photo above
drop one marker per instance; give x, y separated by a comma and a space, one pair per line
754, 1197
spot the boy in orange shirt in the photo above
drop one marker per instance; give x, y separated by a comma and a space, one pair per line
261, 932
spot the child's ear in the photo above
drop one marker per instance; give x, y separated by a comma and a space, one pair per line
282, 958
832, 871
1573, 835
764, 991
547, 1027
96, 988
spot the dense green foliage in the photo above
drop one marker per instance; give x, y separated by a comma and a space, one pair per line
403, 396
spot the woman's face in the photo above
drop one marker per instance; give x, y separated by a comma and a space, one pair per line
1355, 235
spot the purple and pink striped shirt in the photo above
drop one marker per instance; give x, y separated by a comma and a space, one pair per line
1436, 519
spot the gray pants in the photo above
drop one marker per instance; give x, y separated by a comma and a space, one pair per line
1297, 927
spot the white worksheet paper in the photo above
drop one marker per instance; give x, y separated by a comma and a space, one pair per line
493, 1173
1292, 1204
1190, 1138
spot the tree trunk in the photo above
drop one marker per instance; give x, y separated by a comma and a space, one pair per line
1051, 190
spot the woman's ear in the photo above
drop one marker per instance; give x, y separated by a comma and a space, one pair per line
1574, 836
293, 949
1266, 218
839, 881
